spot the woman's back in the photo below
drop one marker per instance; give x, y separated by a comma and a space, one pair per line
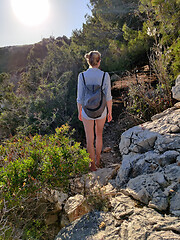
93, 76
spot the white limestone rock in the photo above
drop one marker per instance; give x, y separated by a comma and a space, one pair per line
137, 140
75, 207
167, 142
135, 165
177, 105
176, 89
168, 157
92, 181
145, 189
56, 197
127, 220
172, 173
150, 161
154, 189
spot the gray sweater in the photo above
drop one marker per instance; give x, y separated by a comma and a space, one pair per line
93, 76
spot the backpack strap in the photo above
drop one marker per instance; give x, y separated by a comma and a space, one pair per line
101, 83
83, 79
103, 80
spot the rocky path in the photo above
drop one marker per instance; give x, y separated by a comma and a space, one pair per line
126, 221
122, 120
112, 133
141, 201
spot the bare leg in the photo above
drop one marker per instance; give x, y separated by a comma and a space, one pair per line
99, 141
89, 130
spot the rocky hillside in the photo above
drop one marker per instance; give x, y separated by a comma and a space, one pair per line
143, 193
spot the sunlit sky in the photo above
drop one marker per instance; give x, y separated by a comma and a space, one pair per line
61, 18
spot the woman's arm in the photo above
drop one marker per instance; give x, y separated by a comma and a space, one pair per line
108, 96
109, 106
79, 106
79, 97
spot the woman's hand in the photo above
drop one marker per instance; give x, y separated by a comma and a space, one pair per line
79, 106
109, 117
109, 106
80, 115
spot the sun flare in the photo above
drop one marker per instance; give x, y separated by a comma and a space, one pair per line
31, 12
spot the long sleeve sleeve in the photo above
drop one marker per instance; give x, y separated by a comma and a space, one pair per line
107, 87
80, 89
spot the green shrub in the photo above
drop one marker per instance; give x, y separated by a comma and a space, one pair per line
50, 160
146, 101
30, 164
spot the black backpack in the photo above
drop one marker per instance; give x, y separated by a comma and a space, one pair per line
94, 99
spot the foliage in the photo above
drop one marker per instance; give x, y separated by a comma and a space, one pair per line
99, 200
145, 100
161, 24
31, 164
131, 52
174, 57
103, 31
45, 95
39, 94
128, 33
13, 58
12, 107
51, 159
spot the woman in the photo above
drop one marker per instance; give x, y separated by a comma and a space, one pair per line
93, 76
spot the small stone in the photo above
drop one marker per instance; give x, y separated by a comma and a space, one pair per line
102, 225
107, 149
76, 207
174, 129
56, 197
177, 105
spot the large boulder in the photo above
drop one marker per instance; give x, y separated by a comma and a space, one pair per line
137, 141
150, 169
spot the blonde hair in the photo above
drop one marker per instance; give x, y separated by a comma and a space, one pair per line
93, 58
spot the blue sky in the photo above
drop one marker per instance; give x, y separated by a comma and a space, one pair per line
64, 17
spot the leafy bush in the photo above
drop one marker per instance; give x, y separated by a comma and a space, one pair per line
30, 164
145, 100
162, 26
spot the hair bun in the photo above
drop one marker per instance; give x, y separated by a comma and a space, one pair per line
93, 57
87, 55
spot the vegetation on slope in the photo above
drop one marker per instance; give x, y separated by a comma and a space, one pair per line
30, 166
38, 95
41, 94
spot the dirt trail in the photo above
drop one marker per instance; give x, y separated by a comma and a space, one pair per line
122, 120
112, 135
